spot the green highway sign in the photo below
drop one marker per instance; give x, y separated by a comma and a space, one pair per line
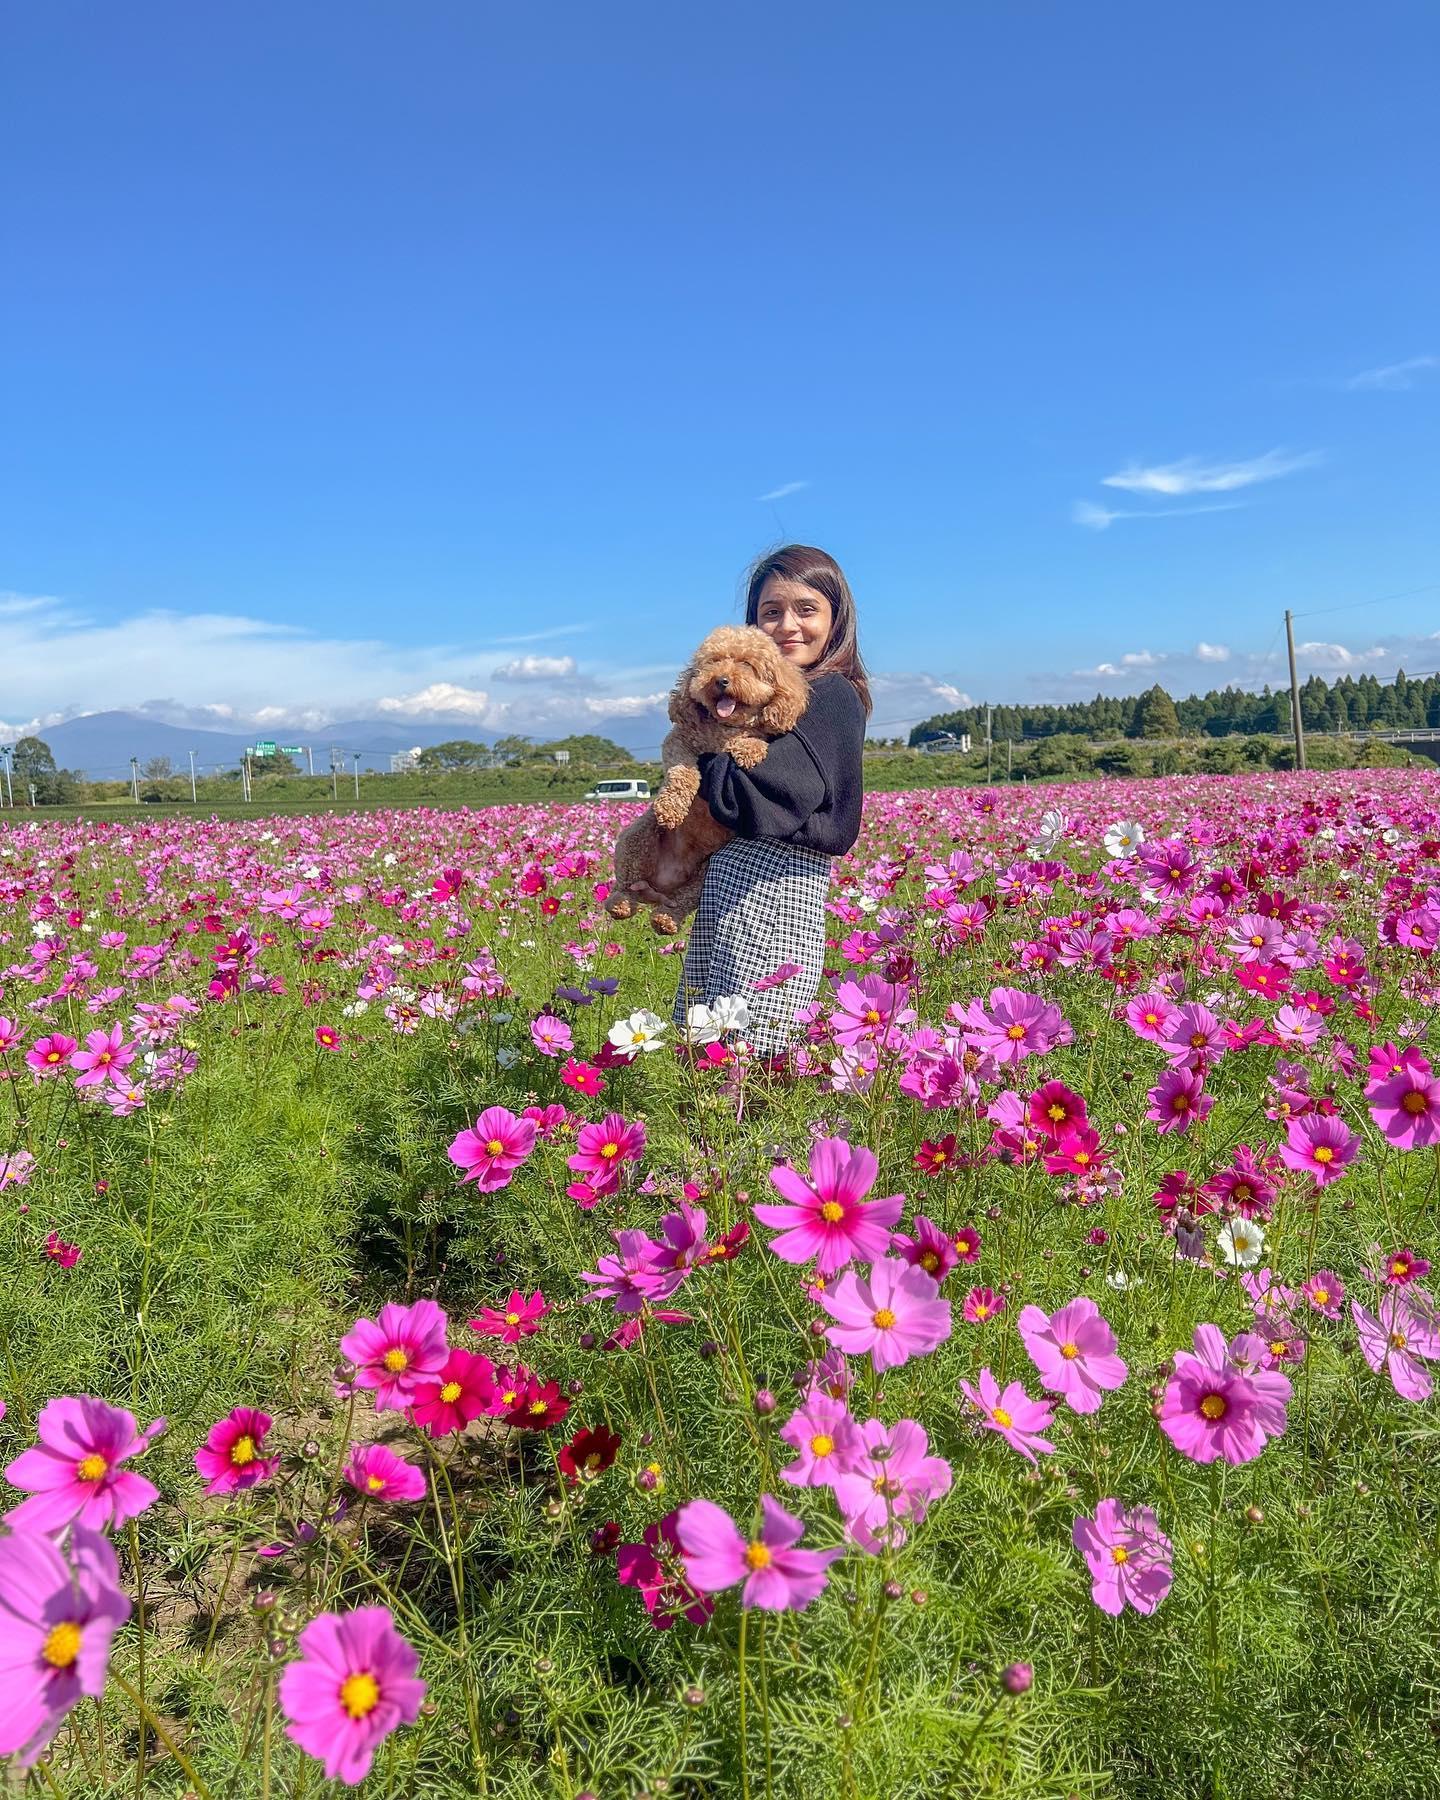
292, 749
265, 749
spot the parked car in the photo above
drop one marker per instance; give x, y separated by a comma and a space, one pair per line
619, 790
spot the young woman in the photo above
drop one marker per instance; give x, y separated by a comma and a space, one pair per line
763, 903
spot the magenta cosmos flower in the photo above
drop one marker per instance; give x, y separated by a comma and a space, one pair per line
1407, 1108
354, 1684
827, 1439
1074, 1350
828, 1217
1212, 1408
1128, 1556
461, 1391
894, 1312
777, 1576
1019, 1419
105, 1054
1400, 1341
233, 1454
656, 1570
1178, 1099
397, 1352
518, 1318
76, 1473
890, 1484
379, 1474
1017, 1025
58, 1614
601, 1150
1319, 1145
491, 1152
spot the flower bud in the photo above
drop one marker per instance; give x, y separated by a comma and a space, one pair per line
1016, 1678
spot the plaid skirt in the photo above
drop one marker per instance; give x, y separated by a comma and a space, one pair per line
763, 904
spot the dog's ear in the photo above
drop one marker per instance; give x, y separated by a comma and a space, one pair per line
788, 703
682, 707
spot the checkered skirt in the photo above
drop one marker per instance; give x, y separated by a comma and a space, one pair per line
763, 904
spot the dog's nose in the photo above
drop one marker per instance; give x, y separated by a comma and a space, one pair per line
723, 683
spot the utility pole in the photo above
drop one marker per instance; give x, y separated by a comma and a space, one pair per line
989, 744
334, 774
193, 801
245, 777
1009, 757
135, 779
1294, 694
356, 755
7, 751
310, 756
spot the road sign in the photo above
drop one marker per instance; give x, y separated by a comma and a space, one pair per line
264, 748
292, 749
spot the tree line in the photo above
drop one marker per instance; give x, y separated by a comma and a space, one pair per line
1353, 703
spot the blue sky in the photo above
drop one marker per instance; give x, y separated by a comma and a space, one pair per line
435, 359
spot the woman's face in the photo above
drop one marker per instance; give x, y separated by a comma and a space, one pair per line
797, 618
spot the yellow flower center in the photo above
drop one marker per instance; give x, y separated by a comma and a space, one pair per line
1083, 1158
1015, 1033
1119, 1554
1278, 1346
450, 1393
1415, 1103
242, 1451
1181, 1103
982, 1311
872, 1017
1320, 1296
375, 1484
1397, 1340
494, 1147
939, 1156
1197, 1040
92, 1468
1257, 941
757, 1556
1324, 1154
359, 1695
62, 1646
396, 1361
1152, 1018
510, 1398
1069, 1351
929, 1261
512, 1318
1242, 1190
832, 1212
1055, 1112
821, 1444
538, 1408
884, 1318
609, 1150
1213, 1406
1001, 1417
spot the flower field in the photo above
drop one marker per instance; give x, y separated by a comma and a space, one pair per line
424, 1366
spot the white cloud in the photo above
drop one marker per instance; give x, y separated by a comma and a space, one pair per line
1191, 476
784, 491
1322, 656
903, 699
1195, 671
1392, 377
1212, 653
534, 668
1100, 518
441, 700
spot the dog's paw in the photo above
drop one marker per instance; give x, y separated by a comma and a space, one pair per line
662, 923
620, 906
670, 810
747, 751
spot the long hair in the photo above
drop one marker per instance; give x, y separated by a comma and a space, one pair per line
813, 568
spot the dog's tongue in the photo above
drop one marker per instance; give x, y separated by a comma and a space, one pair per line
725, 706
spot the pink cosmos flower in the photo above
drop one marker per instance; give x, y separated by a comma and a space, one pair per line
1150, 1016
354, 1684
58, 1251
981, 1305
327, 1037
584, 1077
1324, 1293
785, 972
1296, 1028
827, 1438
632, 1280
11, 1035
494, 1149
233, 1457
1211, 1407
1195, 1037
48, 1056
1074, 1350
777, 1576
601, 1150
894, 1311
551, 1036
59, 1611
1128, 1556
657, 1570
1017, 1025
1019, 1419
396, 1353
1400, 1340
76, 1473
460, 1392
106, 1053
869, 1009
1054, 1109
520, 1317
931, 1249
379, 1474
1406, 1107
1319, 1145
1178, 1099
828, 1217
889, 1485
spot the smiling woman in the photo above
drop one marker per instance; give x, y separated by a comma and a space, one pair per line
763, 903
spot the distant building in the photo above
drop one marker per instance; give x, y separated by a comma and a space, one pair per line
404, 760
947, 744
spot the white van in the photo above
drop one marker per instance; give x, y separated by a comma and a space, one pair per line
619, 790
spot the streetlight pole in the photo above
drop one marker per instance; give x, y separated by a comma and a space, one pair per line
135, 779
334, 774
1294, 695
8, 751
192, 778
356, 755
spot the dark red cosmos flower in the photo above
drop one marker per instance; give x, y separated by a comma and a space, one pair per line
589, 1453
537, 1406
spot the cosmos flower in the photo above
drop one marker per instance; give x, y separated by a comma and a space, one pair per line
828, 1217
354, 1683
1013, 1414
1128, 1556
1073, 1349
777, 1576
76, 1474
397, 1353
233, 1457
894, 1312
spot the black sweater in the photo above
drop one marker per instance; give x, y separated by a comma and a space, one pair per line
809, 788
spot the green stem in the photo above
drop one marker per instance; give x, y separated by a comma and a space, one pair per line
187, 1768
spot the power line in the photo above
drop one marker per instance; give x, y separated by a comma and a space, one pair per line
1318, 612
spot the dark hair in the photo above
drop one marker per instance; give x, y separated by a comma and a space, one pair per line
813, 568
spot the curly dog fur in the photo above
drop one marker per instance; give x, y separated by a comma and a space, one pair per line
736, 694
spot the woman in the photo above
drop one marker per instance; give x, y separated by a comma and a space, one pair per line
763, 904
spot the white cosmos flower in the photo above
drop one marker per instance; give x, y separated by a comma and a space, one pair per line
1242, 1243
701, 1026
1121, 1282
1048, 833
1124, 838
641, 1031
731, 1012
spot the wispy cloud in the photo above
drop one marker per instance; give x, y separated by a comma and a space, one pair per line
784, 492
541, 637
535, 668
1101, 518
1392, 377
1191, 476
1194, 670
1212, 653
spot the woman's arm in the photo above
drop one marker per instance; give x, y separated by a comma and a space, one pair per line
772, 800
